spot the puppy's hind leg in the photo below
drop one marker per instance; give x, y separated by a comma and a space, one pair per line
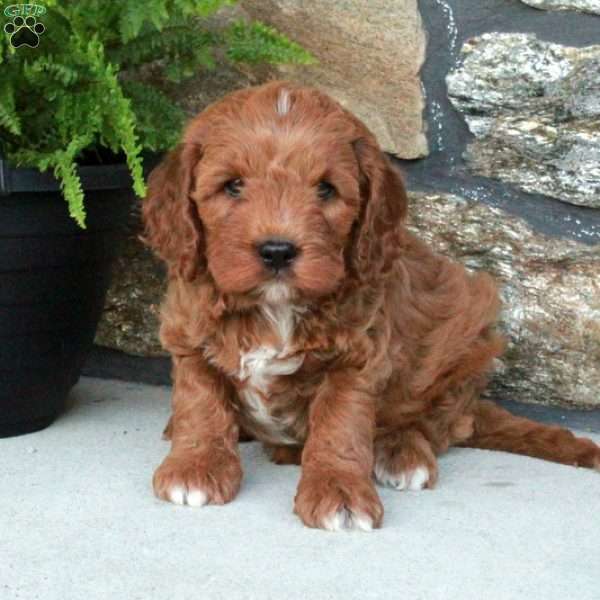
405, 460
497, 429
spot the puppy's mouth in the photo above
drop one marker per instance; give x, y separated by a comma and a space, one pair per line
278, 257
277, 291
275, 273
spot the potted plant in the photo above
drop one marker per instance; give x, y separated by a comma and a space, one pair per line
74, 121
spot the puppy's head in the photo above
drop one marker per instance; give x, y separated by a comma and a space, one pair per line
276, 193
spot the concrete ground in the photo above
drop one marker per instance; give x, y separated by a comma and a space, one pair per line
78, 521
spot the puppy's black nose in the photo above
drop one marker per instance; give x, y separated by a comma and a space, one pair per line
277, 254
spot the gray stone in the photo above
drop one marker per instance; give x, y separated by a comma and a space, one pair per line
590, 6
551, 296
534, 109
130, 319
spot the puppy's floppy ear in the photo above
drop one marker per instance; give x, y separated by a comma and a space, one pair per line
384, 206
172, 226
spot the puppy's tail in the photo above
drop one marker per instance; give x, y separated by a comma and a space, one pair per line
497, 429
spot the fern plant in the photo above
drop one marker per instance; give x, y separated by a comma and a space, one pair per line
74, 91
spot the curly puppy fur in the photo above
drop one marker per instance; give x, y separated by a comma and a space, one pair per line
362, 356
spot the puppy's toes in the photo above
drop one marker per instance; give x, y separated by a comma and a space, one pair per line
179, 494
344, 518
338, 501
196, 480
405, 461
413, 479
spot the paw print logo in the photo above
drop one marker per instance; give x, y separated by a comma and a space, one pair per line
24, 32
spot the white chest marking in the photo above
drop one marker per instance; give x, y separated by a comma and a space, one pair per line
260, 365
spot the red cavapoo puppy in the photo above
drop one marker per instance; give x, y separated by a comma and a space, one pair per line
301, 311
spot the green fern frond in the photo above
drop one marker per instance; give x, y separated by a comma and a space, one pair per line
167, 45
65, 170
79, 89
8, 116
149, 102
131, 19
122, 121
256, 42
159, 14
63, 74
201, 8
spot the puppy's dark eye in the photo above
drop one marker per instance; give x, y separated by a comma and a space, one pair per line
326, 191
233, 188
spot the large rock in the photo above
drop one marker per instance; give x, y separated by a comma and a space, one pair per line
369, 53
534, 108
130, 319
590, 6
551, 295
550, 288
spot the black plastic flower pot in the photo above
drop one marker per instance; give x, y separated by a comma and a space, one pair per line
53, 281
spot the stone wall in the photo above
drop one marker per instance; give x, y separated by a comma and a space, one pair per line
550, 289
591, 6
496, 120
534, 110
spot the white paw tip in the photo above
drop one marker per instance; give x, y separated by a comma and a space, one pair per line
415, 479
179, 495
335, 521
362, 522
197, 498
344, 519
420, 476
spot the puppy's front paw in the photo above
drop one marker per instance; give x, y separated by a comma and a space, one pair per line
337, 501
198, 479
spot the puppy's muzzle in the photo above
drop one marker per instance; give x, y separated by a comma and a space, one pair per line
277, 255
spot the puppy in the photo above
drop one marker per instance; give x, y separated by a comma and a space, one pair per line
300, 310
